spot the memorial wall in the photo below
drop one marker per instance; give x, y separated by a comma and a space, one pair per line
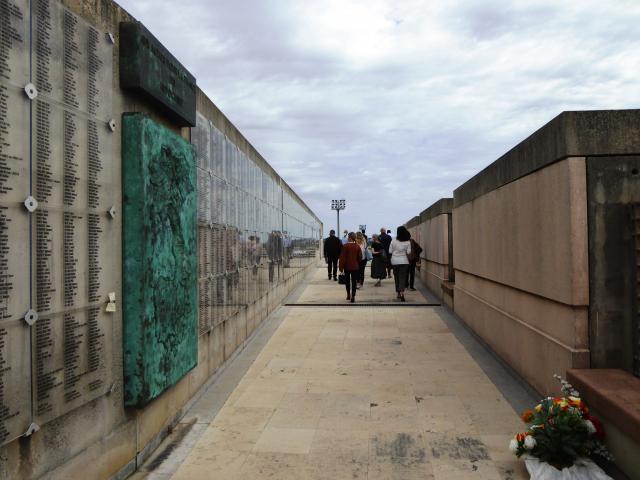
252, 231
57, 234
71, 400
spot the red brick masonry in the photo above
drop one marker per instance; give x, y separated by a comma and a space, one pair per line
615, 394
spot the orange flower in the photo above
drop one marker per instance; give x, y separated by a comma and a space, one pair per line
527, 416
560, 401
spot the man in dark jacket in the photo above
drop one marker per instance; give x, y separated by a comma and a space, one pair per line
385, 240
332, 248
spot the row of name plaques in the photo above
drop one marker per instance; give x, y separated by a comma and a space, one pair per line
56, 261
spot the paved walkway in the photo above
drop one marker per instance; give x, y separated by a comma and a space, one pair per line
354, 393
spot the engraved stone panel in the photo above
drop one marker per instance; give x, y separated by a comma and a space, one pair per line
15, 392
15, 343
73, 240
14, 42
243, 253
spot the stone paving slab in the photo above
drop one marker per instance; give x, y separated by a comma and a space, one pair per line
369, 393
322, 290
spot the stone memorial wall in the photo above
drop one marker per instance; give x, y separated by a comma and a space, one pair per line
252, 232
15, 241
68, 381
55, 196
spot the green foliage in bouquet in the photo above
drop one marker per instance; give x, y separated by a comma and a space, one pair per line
560, 429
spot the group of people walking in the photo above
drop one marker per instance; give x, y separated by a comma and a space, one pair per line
390, 257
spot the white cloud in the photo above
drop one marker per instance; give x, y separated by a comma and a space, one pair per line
393, 104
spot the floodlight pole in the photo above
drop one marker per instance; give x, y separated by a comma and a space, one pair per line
338, 205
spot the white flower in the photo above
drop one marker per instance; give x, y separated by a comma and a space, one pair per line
513, 445
590, 426
529, 442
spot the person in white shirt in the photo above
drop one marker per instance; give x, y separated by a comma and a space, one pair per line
400, 250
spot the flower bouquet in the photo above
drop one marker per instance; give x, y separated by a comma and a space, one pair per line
561, 435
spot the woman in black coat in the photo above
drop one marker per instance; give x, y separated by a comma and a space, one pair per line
379, 262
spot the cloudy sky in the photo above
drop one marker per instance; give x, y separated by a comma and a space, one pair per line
391, 104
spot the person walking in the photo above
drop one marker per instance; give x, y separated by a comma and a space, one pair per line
379, 261
362, 243
274, 251
332, 248
414, 261
349, 263
286, 249
400, 249
345, 238
385, 240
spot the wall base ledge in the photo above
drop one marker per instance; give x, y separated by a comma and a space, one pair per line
613, 391
574, 350
447, 287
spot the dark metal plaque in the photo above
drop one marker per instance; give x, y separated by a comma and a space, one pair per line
148, 67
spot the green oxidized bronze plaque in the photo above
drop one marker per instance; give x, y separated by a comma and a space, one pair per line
159, 254
149, 68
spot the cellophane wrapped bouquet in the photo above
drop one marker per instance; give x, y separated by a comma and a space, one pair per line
560, 430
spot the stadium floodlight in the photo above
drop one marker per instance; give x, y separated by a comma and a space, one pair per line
338, 205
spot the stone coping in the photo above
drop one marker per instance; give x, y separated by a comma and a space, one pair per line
614, 393
442, 206
570, 134
415, 221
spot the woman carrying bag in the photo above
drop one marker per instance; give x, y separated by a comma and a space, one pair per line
349, 263
400, 251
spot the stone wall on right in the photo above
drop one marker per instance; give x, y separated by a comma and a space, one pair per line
432, 230
543, 255
522, 271
544, 248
